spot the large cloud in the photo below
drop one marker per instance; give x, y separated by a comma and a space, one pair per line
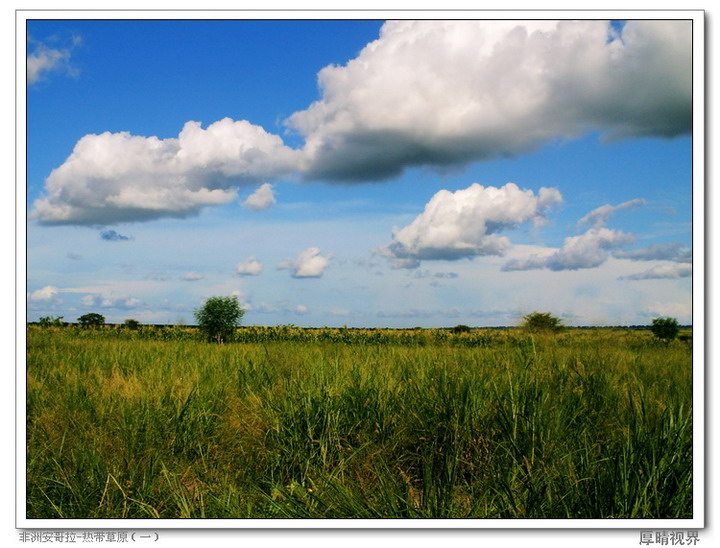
437, 93
118, 177
589, 250
466, 223
450, 92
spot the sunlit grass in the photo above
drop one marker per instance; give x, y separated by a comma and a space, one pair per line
420, 424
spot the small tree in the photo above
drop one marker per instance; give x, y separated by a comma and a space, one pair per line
541, 322
665, 328
219, 317
92, 319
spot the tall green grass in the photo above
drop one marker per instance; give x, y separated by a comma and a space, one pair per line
586, 424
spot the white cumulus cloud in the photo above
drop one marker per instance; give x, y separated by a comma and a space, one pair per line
466, 223
119, 177
261, 199
250, 267
308, 264
449, 92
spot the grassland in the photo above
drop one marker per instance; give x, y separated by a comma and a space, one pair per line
292, 423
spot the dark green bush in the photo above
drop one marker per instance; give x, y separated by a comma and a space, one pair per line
665, 328
539, 322
132, 324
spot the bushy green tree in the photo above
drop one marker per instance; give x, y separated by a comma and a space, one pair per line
92, 319
665, 328
219, 317
541, 322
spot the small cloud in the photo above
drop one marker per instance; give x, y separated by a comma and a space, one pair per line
244, 299
265, 308
599, 216
113, 236
662, 272
309, 264
192, 277
159, 277
89, 300
434, 276
44, 59
283, 307
421, 313
661, 252
261, 199
251, 267
405, 263
438, 275
74, 256
110, 301
45, 294
588, 250
678, 310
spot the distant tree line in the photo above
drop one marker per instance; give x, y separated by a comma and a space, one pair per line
220, 317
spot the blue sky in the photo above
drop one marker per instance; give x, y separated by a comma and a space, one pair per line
360, 173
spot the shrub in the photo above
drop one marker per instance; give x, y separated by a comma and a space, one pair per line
51, 321
665, 328
132, 324
219, 317
92, 319
460, 329
538, 322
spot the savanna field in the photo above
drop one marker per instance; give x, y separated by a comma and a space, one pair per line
350, 423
